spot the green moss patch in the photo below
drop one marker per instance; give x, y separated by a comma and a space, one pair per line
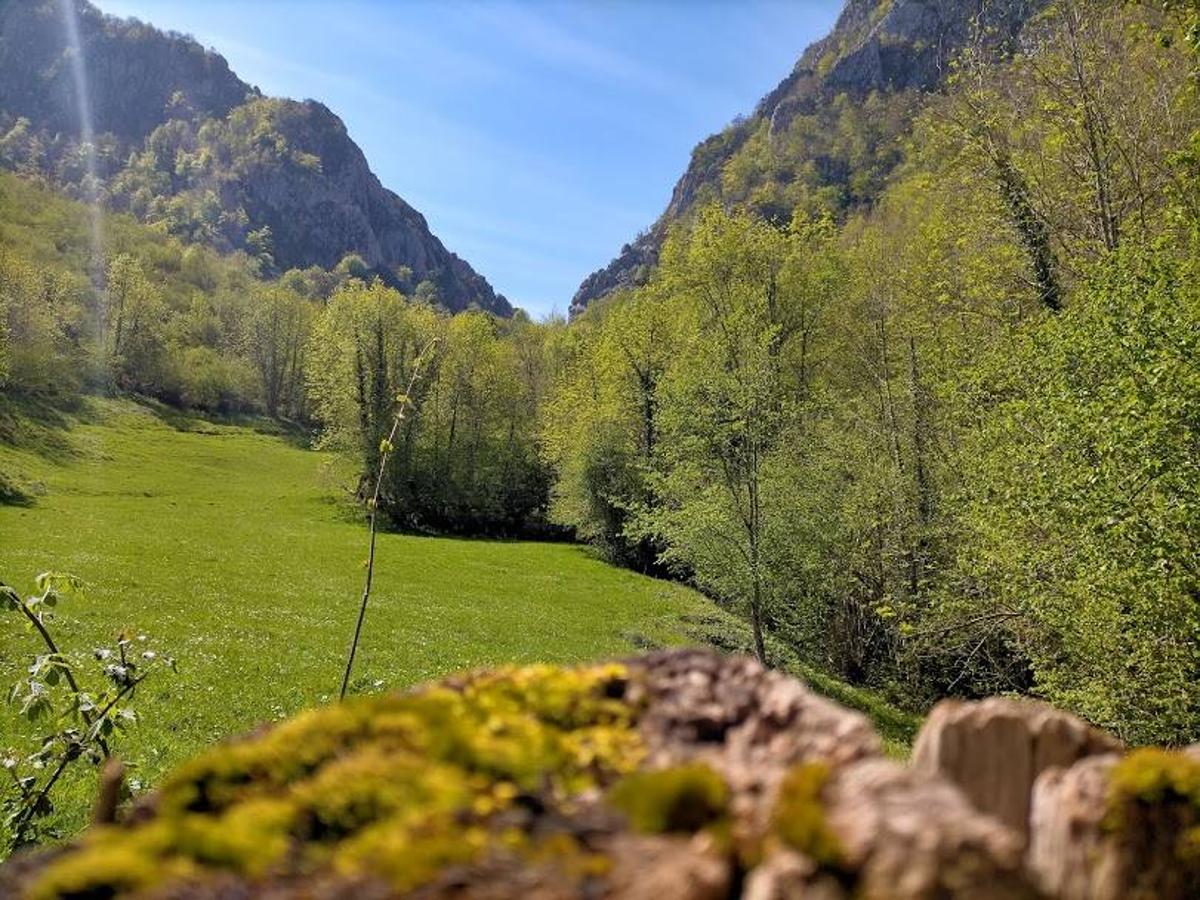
1154, 776
1154, 814
395, 787
799, 817
681, 799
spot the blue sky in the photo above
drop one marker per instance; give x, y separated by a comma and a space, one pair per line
536, 137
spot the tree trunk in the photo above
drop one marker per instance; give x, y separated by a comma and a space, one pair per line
760, 649
755, 533
1034, 235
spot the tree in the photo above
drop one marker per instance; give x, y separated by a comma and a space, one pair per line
352, 266
276, 335
1079, 149
600, 425
260, 244
136, 309
465, 459
728, 403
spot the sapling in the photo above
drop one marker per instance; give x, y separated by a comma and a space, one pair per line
387, 447
56, 689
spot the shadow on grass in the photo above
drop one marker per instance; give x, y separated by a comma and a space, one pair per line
40, 425
536, 533
13, 494
195, 422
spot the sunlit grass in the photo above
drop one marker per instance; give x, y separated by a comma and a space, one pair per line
230, 549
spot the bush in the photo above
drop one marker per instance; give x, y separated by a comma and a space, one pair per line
211, 382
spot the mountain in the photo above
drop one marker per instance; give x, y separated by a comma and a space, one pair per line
827, 136
181, 141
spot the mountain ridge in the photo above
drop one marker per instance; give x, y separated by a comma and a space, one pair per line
181, 140
896, 50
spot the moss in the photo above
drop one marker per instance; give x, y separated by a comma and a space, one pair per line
680, 799
111, 865
248, 838
1153, 776
409, 856
397, 787
565, 851
1153, 812
799, 816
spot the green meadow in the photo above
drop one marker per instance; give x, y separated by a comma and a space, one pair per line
233, 548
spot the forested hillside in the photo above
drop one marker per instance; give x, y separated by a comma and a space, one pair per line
827, 137
182, 143
188, 326
947, 442
912, 385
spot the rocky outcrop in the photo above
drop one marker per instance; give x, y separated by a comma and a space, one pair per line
681, 774
1068, 851
909, 44
152, 94
134, 71
318, 214
1099, 823
905, 836
888, 46
995, 750
630, 269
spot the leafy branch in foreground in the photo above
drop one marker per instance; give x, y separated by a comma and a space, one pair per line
54, 689
386, 448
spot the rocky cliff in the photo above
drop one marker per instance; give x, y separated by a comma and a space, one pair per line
133, 71
681, 774
182, 142
882, 55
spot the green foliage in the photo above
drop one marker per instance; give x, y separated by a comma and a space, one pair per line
465, 458
949, 447
745, 297
1154, 816
192, 176
87, 712
180, 324
42, 312
274, 337
1083, 504
822, 152
599, 427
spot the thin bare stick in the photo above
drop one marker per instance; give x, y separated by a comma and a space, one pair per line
108, 797
386, 448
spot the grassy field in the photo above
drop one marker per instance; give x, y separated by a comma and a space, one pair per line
230, 547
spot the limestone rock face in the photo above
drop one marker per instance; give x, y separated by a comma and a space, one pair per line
995, 749
134, 71
748, 723
1067, 850
906, 836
